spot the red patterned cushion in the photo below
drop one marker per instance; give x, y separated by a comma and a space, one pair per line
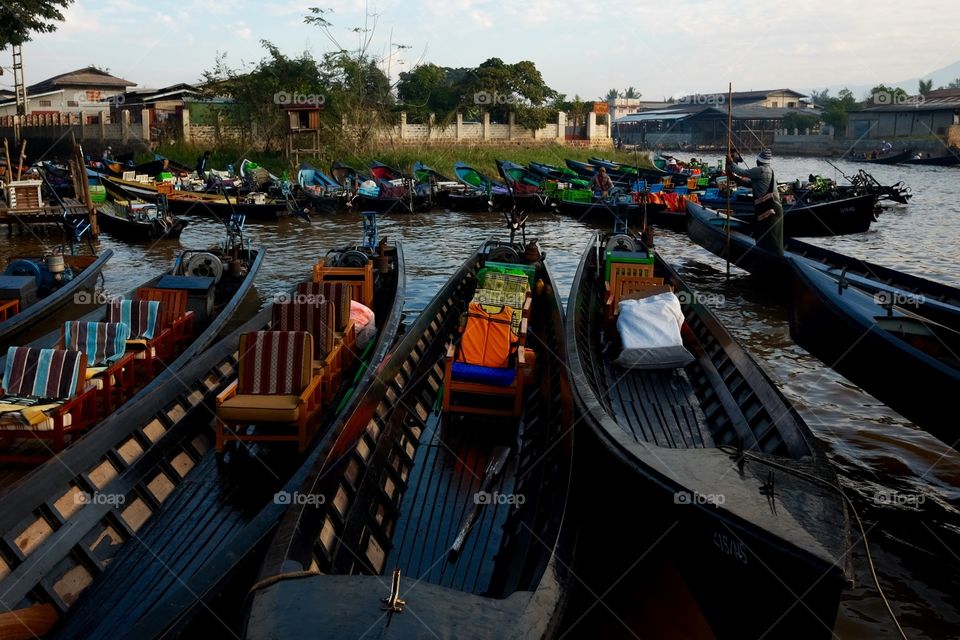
314, 315
275, 362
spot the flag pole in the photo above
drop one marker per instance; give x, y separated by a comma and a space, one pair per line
729, 152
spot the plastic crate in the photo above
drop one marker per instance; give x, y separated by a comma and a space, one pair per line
628, 257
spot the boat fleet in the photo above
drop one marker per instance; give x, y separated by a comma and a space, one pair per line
324, 466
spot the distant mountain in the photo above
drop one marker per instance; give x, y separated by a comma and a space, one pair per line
940, 77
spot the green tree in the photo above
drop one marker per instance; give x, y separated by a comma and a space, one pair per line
800, 121
955, 84
631, 93
925, 87
612, 94
500, 88
19, 20
835, 110
428, 89
577, 111
883, 95
820, 98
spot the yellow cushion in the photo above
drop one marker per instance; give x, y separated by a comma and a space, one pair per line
29, 418
260, 408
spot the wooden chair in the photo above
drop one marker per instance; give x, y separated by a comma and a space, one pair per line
173, 313
152, 344
9, 308
315, 316
471, 385
360, 279
275, 389
44, 397
339, 295
618, 271
624, 287
110, 367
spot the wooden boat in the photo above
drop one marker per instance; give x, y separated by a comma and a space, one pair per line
436, 483
417, 194
949, 160
888, 158
842, 216
193, 302
630, 171
854, 331
54, 290
155, 166
368, 193
525, 187
933, 300
560, 174
448, 193
323, 193
704, 445
156, 511
497, 193
138, 221
254, 206
587, 170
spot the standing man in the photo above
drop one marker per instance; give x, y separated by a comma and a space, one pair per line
766, 200
202, 165
601, 182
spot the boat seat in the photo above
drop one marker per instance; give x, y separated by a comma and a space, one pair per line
272, 399
110, 367
487, 362
315, 316
173, 312
152, 343
339, 294
45, 397
359, 279
9, 308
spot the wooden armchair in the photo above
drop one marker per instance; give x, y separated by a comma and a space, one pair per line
173, 313
44, 397
276, 390
8, 309
339, 295
617, 272
152, 344
627, 287
488, 361
110, 366
360, 279
315, 316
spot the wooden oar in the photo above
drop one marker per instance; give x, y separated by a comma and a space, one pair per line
494, 468
729, 151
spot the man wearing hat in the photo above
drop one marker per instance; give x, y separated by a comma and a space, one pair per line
766, 200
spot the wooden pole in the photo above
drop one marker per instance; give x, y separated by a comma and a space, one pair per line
21, 158
6, 153
729, 152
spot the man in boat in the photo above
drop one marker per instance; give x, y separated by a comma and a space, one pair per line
766, 199
601, 182
202, 165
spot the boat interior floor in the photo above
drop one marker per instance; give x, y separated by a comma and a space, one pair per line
445, 485
659, 407
193, 525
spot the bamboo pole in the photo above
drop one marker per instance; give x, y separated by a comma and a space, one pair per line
729, 152
21, 158
6, 153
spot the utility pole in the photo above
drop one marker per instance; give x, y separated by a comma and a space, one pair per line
20, 91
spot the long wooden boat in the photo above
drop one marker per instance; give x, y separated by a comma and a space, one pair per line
448, 193
525, 188
417, 194
560, 174
933, 300
842, 216
21, 325
715, 449
949, 160
141, 222
198, 203
323, 193
210, 286
159, 510
497, 194
386, 198
889, 158
409, 484
853, 331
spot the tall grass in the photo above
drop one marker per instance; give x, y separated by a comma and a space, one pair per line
440, 157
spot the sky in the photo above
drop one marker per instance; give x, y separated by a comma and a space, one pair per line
582, 47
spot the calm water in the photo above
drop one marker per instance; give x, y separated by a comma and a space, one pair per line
915, 548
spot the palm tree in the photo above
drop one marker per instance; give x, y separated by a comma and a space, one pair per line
631, 93
612, 94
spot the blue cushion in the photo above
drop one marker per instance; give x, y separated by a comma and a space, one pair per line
495, 376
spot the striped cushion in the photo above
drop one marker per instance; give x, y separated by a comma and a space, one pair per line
314, 316
103, 342
42, 373
275, 362
140, 315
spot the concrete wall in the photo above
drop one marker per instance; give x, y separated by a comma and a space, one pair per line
893, 124
64, 101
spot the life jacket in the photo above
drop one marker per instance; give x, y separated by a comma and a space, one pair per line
487, 340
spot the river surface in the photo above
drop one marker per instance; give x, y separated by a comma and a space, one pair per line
915, 545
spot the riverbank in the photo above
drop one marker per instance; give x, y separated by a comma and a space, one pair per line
440, 158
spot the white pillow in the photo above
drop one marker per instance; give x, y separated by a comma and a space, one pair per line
650, 332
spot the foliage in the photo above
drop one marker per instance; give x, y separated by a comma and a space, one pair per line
612, 94
955, 84
20, 19
631, 93
835, 109
882, 94
925, 87
800, 121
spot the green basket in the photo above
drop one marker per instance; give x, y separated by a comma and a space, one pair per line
630, 257
576, 195
527, 270
98, 193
